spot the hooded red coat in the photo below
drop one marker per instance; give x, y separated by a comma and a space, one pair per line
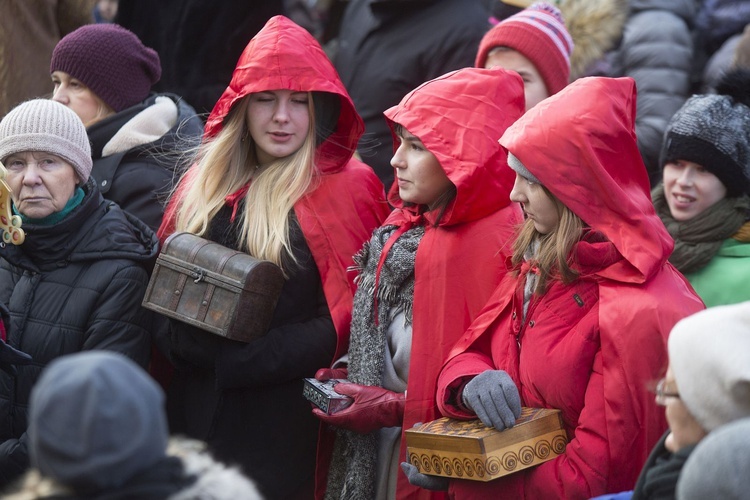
348, 202
458, 117
592, 347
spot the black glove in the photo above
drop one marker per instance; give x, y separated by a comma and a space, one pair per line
493, 396
10, 356
416, 478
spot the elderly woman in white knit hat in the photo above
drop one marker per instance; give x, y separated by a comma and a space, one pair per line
707, 386
77, 281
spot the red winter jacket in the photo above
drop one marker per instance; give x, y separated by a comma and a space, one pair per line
458, 117
590, 348
348, 202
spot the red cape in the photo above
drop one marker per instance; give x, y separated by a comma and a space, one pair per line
581, 145
348, 203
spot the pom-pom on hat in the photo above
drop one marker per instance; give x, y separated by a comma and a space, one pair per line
713, 130
709, 354
538, 32
111, 61
96, 419
47, 126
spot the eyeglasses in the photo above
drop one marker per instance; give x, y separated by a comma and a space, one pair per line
662, 394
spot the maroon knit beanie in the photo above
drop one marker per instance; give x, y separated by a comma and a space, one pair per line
111, 61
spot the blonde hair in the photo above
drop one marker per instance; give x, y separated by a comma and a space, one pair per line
226, 164
553, 257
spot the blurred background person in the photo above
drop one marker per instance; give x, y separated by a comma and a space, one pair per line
198, 41
98, 430
385, 49
31, 29
105, 11
717, 467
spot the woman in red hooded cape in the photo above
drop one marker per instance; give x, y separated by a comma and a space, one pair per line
583, 331
286, 190
425, 273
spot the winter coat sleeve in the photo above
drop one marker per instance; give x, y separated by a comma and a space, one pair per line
454, 376
14, 458
119, 322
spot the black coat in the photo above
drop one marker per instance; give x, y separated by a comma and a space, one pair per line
198, 41
246, 400
140, 178
388, 48
73, 286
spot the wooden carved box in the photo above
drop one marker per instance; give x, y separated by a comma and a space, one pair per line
214, 288
470, 450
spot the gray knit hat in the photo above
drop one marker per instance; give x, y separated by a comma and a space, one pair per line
714, 131
96, 419
520, 168
47, 126
709, 353
718, 466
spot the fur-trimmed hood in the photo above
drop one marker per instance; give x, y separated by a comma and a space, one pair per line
214, 480
596, 27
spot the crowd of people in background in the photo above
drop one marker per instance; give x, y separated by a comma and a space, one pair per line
476, 206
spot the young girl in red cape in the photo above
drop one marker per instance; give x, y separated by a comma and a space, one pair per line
581, 322
275, 177
425, 274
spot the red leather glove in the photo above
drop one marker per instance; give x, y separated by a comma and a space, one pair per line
373, 408
329, 373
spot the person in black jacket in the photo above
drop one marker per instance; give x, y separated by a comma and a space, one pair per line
104, 73
77, 280
385, 49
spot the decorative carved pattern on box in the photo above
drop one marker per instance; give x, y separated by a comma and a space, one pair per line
10, 225
214, 288
467, 449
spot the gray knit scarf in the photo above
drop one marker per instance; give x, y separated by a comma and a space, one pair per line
353, 465
696, 241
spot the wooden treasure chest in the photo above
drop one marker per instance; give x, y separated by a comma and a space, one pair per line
214, 288
467, 449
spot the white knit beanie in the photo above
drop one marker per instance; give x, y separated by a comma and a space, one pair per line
50, 127
709, 353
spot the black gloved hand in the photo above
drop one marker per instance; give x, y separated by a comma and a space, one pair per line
10, 356
493, 396
416, 478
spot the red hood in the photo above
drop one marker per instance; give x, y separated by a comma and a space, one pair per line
460, 125
580, 143
285, 56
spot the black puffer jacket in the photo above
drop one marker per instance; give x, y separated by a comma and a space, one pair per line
72, 286
136, 153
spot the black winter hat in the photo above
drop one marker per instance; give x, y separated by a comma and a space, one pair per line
714, 131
